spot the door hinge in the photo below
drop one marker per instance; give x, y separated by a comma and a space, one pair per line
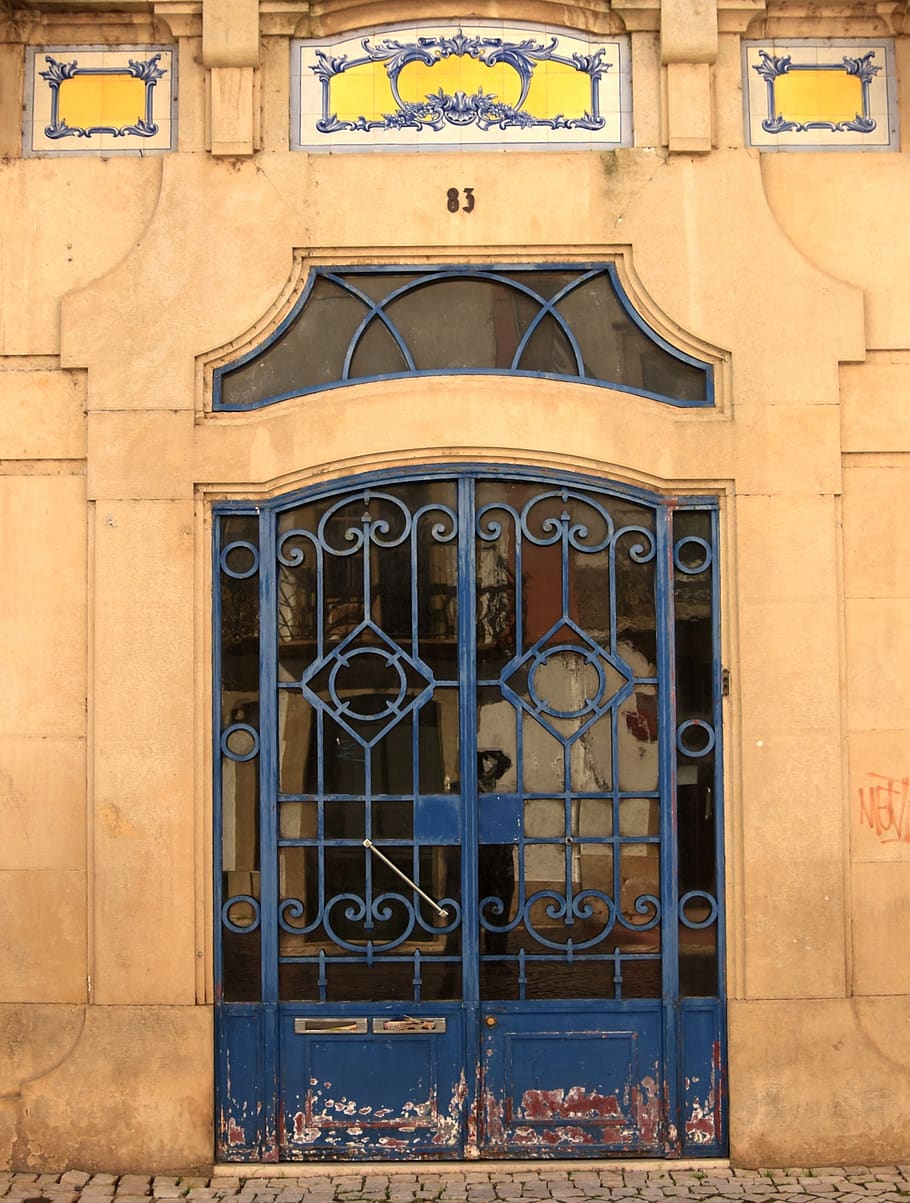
725, 682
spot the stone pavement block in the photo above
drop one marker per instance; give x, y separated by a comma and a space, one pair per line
76, 1178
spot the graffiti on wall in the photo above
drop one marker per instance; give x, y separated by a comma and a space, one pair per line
884, 807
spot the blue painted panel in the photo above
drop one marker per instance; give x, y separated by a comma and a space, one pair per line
240, 1086
438, 820
372, 1094
573, 1080
702, 1065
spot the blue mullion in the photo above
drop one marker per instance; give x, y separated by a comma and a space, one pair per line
669, 927
268, 819
467, 705
268, 746
466, 601
415, 724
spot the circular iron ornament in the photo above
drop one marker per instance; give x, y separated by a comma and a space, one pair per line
642, 552
241, 929
695, 753
229, 732
702, 896
355, 909
589, 705
239, 545
392, 706
707, 555
290, 909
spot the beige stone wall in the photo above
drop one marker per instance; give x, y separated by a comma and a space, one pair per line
120, 279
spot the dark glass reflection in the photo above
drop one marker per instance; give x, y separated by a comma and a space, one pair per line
696, 766
452, 320
238, 641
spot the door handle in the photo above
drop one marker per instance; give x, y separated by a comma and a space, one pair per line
440, 910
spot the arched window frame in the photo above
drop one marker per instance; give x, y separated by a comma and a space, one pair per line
424, 275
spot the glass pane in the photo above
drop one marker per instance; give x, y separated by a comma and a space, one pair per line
592, 757
639, 816
639, 868
617, 351
476, 323
548, 350
595, 817
298, 820
543, 763
238, 646
440, 766
309, 353
697, 821
595, 870
638, 748
545, 818
297, 727
377, 353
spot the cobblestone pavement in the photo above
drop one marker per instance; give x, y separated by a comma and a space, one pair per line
517, 1181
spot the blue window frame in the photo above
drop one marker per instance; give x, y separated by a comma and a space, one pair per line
566, 322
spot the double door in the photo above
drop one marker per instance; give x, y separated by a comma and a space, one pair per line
468, 822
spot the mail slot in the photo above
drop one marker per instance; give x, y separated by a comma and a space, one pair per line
391, 1027
339, 1026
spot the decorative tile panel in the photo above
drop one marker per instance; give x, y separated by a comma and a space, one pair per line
820, 94
422, 87
91, 99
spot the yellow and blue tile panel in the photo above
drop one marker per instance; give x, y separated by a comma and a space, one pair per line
432, 87
91, 99
817, 94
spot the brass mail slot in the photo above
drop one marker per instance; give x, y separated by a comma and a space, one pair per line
391, 1026
338, 1026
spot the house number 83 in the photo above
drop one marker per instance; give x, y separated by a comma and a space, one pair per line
453, 202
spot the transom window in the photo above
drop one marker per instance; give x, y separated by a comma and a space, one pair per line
355, 324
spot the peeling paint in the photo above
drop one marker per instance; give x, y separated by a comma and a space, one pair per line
574, 1103
647, 1110
700, 1124
494, 1130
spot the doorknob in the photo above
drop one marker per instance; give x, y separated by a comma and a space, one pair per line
491, 1021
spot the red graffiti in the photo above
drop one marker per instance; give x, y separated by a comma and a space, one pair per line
884, 807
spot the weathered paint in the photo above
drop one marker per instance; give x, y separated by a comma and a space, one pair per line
648, 1108
574, 1103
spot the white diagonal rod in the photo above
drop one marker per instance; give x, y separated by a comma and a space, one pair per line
440, 910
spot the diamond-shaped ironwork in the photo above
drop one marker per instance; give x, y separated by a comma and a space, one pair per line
522, 681
411, 683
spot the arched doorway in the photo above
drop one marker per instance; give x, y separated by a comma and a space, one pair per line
468, 820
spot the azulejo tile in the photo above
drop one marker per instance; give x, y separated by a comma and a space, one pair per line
820, 94
93, 99
495, 85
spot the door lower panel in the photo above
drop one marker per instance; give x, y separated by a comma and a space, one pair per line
560, 1080
395, 1088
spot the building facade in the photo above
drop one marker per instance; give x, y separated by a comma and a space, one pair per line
456, 609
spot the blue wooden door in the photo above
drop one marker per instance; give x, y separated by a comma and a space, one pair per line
468, 826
